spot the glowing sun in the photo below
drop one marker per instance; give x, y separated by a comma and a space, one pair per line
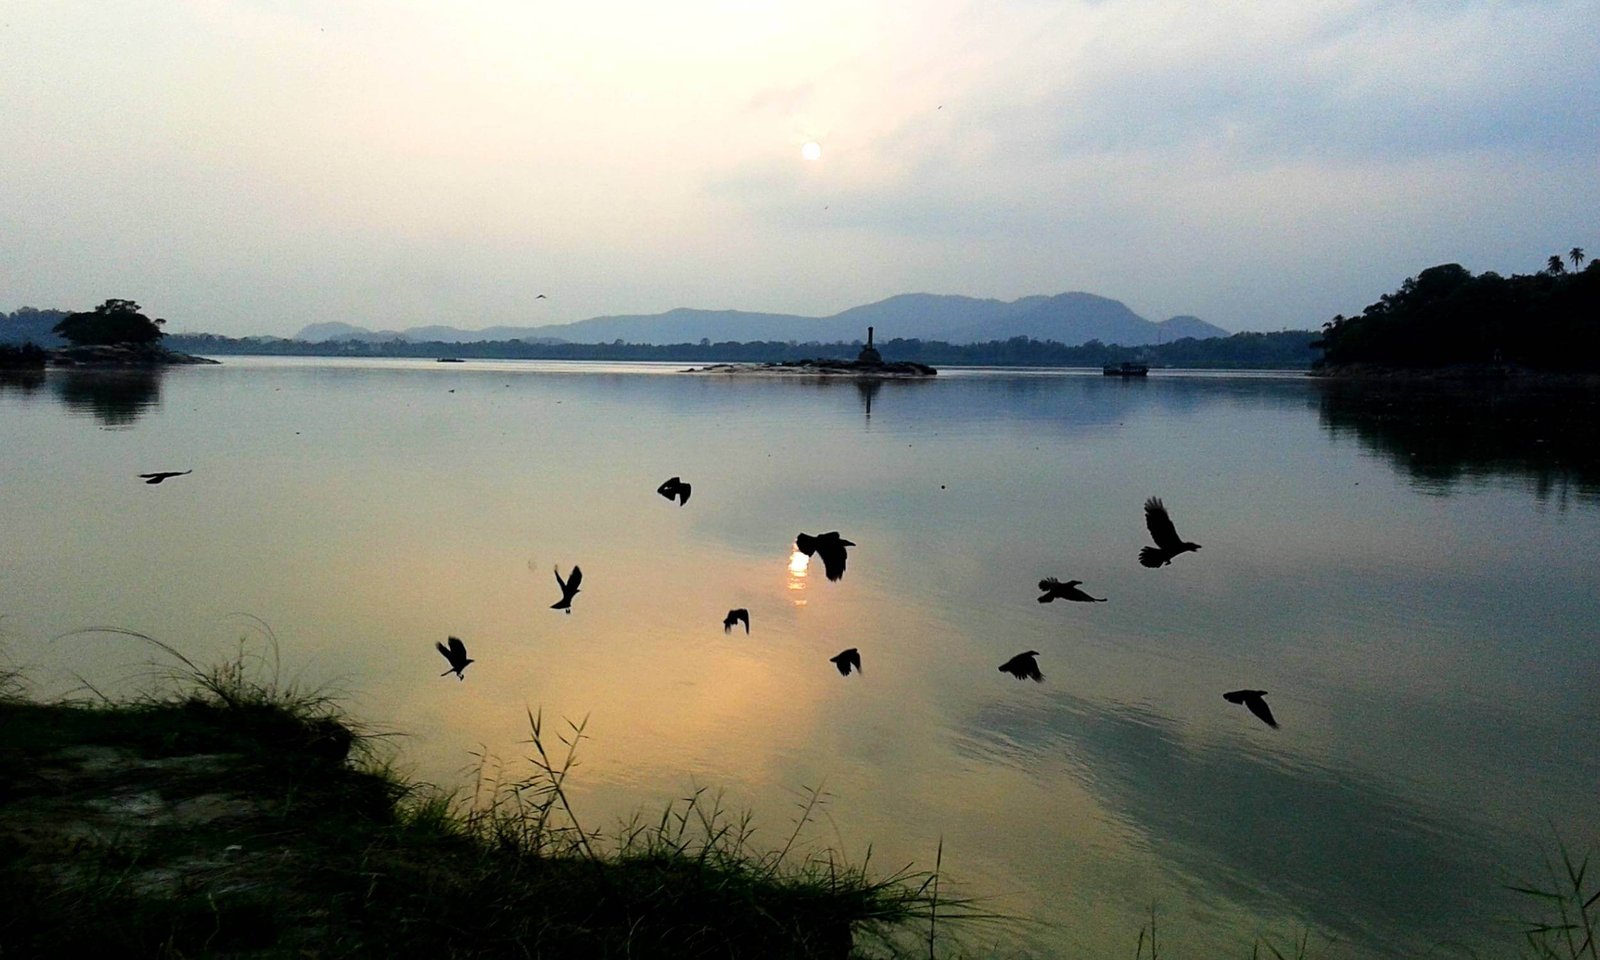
811, 151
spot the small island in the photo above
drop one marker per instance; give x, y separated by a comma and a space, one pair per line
114, 335
1446, 323
868, 364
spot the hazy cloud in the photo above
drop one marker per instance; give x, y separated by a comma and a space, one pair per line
242, 166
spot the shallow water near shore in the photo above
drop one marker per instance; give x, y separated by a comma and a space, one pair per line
1408, 573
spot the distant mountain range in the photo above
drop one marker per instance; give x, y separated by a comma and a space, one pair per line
1068, 318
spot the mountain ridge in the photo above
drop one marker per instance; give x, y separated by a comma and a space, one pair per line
1070, 318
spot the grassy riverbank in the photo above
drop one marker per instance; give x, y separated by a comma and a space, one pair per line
237, 819
232, 818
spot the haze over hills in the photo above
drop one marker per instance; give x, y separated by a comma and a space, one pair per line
1069, 318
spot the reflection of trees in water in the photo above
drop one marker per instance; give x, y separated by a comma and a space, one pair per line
22, 381
116, 398
1441, 434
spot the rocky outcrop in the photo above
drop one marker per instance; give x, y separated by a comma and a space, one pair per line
824, 368
107, 356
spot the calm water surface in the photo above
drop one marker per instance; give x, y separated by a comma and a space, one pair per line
1411, 576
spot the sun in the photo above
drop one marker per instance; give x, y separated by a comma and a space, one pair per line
811, 151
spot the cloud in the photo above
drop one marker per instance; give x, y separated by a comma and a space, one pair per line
1281, 162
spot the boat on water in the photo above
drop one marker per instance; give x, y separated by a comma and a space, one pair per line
448, 359
1125, 369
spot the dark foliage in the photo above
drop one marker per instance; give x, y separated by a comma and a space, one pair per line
26, 357
1286, 350
1446, 316
115, 321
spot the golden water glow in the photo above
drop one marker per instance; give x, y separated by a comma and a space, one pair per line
797, 576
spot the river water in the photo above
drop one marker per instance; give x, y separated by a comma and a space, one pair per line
1409, 573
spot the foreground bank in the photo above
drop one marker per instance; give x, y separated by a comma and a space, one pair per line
241, 820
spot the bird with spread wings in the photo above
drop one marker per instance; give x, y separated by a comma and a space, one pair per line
1168, 543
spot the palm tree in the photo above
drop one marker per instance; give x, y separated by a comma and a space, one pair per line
1576, 256
1554, 267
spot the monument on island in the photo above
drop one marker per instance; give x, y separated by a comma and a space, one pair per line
869, 353
868, 365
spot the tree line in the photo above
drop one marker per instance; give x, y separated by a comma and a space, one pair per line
1447, 316
1285, 350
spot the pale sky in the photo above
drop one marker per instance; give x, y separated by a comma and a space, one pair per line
250, 166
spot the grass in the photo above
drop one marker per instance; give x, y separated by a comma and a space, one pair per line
243, 817
1566, 911
239, 816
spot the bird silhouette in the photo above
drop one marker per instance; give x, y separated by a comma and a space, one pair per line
830, 547
456, 653
569, 588
1056, 590
1168, 543
675, 488
845, 659
1255, 700
735, 616
540, 297
1023, 666
155, 478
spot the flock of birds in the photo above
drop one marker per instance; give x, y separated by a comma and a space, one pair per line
832, 550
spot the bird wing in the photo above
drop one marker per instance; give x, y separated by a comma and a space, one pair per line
574, 579
560, 582
667, 487
1258, 706
683, 493
1049, 583
458, 650
1161, 528
443, 650
805, 543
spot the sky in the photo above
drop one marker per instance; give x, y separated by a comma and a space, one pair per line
252, 166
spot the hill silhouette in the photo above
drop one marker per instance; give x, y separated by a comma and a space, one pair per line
1068, 318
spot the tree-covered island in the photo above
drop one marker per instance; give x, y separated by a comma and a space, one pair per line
1446, 316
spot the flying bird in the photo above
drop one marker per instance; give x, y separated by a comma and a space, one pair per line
846, 659
1256, 701
569, 588
456, 653
735, 616
1168, 543
540, 297
829, 546
155, 478
1056, 590
1023, 666
675, 487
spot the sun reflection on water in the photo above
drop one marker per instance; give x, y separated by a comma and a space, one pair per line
797, 576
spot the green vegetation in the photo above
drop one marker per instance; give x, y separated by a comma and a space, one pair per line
1567, 909
248, 819
1446, 316
113, 322
1287, 350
